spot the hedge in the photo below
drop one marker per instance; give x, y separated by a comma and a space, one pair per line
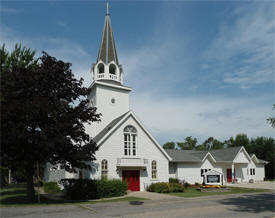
83, 189
165, 187
51, 187
174, 180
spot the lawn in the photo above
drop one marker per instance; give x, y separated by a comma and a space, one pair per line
15, 195
193, 192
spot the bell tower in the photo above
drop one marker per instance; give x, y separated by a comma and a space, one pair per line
107, 66
108, 94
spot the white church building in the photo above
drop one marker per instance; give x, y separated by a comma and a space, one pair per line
128, 151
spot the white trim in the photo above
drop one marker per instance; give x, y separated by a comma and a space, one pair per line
242, 148
141, 125
97, 82
208, 153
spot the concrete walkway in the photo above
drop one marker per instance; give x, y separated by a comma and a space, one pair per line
261, 185
152, 195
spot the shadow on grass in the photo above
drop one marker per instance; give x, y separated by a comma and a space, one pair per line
252, 203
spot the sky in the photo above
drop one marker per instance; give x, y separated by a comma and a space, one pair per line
197, 68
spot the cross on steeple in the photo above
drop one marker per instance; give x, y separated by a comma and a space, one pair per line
107, 8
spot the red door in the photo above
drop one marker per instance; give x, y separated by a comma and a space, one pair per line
229, 175
132, 179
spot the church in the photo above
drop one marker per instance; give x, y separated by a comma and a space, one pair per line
128, 151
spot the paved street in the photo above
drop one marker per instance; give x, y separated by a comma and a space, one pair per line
264, 185
245, 205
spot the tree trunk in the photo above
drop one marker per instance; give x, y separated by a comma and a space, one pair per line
30, 184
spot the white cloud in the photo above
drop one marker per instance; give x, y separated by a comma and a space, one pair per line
202, 117
244, 48
61, 23
8, 10
61, 48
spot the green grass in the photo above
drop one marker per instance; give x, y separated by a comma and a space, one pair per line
15, 195
193, 192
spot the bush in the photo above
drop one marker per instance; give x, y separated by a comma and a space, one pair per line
160, 187
176, 187
83, 189
186, 184
111, 188
173, 180
51, 187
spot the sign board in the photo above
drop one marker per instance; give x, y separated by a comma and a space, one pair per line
213, 178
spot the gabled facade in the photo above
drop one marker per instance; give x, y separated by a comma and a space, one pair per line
234, 163
128, 151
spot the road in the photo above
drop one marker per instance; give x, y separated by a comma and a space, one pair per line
245, 205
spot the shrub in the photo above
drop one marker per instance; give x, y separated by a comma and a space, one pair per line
197, 184
111, 188
160, 187
176, 187
83, 189
186, 184
173, 180
51, 187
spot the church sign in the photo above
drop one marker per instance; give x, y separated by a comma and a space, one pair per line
213, 178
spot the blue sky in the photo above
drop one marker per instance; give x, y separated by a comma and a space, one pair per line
199, 68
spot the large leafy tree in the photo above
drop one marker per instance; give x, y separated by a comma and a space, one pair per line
43, 112
211, 143
188, 144
169, 145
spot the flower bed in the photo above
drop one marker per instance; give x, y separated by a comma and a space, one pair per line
213, 188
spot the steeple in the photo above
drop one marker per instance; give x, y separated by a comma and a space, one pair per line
107, 49
107, 66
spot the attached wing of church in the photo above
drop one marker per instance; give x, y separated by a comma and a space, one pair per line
128, 151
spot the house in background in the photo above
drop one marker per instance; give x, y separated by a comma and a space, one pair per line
128, 151
234, 163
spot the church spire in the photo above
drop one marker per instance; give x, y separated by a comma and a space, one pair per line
107, 66
107, 49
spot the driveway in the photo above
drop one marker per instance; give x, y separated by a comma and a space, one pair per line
261, 185
241, 205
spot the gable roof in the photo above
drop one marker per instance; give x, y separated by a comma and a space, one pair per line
258, 160
103, 132
225, 154
218, 155
185, 155
112, 126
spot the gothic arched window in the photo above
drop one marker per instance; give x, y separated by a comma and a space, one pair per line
112, 69
154, 169
130, 141
104, 169
100, 68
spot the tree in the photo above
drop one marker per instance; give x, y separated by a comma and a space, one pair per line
169, 145
264, 148
211, 143
43, 112
271, 120
188, 144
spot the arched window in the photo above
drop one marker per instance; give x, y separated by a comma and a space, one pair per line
100, 68
112, 69
104, 169
130, 141
154, 169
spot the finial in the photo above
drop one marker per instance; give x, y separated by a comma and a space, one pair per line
107, 8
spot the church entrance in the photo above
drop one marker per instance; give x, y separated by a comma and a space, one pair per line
132, 179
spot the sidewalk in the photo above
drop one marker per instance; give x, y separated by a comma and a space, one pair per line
152, 195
